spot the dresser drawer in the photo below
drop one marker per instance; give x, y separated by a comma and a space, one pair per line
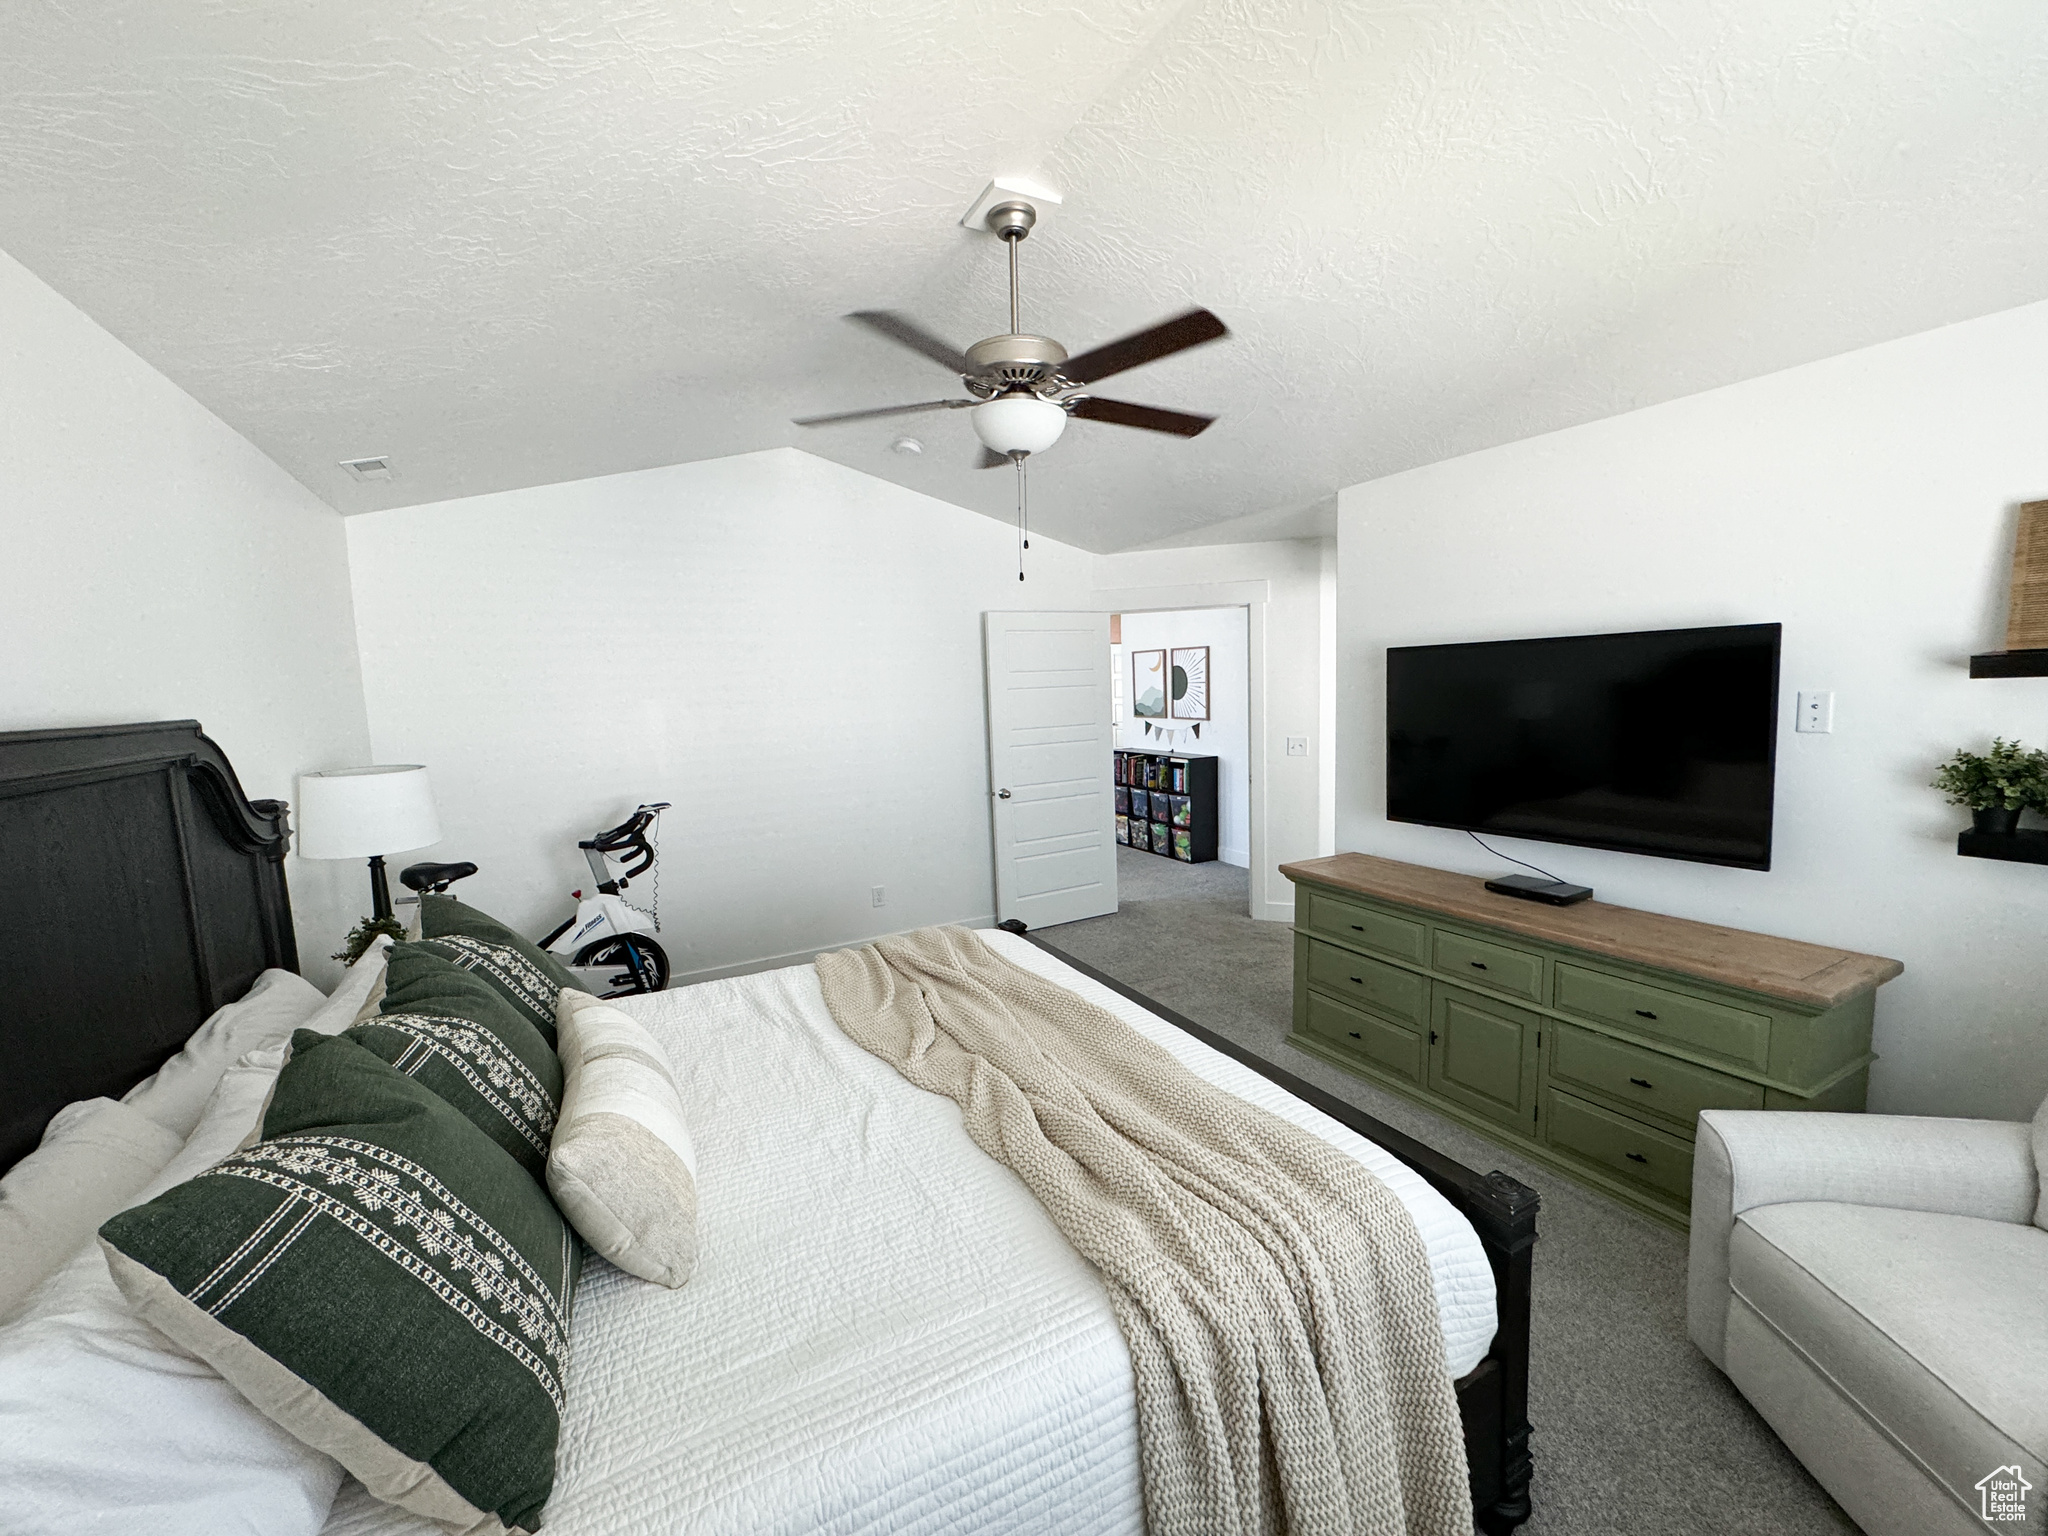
1490, 965
1638, 1153
1381, 931
1385, 989
1675, 1089
1714, 1029
1386, 1045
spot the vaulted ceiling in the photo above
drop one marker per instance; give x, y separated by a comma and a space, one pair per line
518, 242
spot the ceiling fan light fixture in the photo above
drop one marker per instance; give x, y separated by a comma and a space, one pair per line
1011, 424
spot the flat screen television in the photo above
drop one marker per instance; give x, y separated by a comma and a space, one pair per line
1660, 742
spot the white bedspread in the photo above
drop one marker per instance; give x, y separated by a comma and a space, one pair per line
885, 1334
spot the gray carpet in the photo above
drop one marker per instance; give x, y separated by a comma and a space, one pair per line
1634, 1430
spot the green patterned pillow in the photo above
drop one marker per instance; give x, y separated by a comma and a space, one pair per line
425, 973
458, 1035
380, 1279
528, 968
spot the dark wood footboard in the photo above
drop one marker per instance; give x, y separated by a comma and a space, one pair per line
1493, 1397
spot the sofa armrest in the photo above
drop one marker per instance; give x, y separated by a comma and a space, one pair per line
1743, 1159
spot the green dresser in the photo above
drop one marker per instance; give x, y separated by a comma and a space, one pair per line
1587, 1038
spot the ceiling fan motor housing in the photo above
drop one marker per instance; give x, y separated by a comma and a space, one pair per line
1016, 361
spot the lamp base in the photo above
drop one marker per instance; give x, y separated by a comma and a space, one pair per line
380, 889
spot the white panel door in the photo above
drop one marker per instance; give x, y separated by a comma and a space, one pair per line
1050, 760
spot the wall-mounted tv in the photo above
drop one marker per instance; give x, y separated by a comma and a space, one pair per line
1660, 742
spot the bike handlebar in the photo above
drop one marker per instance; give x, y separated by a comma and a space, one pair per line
628, 840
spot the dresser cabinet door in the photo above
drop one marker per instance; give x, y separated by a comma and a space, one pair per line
1482, 1054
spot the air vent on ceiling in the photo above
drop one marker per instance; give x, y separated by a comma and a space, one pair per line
378, 468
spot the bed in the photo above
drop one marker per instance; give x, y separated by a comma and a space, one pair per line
886, 1334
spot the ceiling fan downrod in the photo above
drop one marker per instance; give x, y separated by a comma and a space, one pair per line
1010, 222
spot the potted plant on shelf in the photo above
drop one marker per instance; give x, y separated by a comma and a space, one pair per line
1997, 785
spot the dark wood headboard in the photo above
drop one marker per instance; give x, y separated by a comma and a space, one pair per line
140, 889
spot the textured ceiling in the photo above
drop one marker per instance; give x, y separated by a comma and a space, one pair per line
516, 243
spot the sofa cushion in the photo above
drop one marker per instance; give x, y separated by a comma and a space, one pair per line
1935, 1326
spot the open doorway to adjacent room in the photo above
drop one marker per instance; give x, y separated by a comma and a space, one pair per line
1180, 691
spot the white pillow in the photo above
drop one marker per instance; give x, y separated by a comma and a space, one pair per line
268, 1012
106, 1425
94, 1157
621, 1166
360, 992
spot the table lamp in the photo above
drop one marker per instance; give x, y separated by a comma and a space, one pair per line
365, 813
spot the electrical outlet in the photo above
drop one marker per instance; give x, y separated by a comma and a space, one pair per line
1817, 713
876, 896
1297, 746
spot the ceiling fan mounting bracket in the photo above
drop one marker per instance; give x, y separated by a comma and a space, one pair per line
1011, 219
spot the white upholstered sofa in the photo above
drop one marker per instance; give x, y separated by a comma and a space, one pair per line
1877, 1286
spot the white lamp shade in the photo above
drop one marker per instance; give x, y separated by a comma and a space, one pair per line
358, 813
1018, 423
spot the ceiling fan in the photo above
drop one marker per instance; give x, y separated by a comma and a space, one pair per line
1022, 388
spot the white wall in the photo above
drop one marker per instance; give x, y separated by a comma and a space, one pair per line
1227, 733
160, 567
787, 649
1867, 503
1282, 582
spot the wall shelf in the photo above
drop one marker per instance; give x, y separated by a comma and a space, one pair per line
2010, 664
2014, 847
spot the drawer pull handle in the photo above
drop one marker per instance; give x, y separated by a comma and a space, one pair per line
1358, 927
1644, 1013
1359, 979
1356, 1035
1477, 965
1642, 1082
1637, 1157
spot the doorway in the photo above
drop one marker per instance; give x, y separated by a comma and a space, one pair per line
1180, 692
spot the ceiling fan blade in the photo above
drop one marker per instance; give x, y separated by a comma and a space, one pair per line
907, 333
1147, 346
1124, 414
882, 410
990, 459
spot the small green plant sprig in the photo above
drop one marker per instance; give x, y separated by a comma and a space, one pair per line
363, 935
2010, 777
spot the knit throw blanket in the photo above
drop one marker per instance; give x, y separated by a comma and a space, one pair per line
1275, 1295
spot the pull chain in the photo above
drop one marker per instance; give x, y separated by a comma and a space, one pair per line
1023, 526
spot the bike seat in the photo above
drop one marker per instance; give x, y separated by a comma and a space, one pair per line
422, 877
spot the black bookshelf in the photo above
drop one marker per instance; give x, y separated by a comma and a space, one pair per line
1166, 804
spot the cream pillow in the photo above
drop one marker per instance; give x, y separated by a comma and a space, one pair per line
95, 1155
359, 994
621, 1166
268, 1012
105, 1425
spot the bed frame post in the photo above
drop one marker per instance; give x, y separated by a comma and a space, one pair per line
1502, 1211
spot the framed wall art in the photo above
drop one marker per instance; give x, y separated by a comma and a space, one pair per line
1190, 679
1148, 685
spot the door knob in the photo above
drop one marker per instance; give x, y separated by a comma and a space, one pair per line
1002, 794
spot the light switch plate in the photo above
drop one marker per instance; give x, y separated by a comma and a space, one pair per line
1297, 746
1816, 713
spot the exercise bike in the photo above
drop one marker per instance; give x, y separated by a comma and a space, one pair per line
605, 933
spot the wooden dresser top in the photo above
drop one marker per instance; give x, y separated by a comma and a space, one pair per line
1810, 974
